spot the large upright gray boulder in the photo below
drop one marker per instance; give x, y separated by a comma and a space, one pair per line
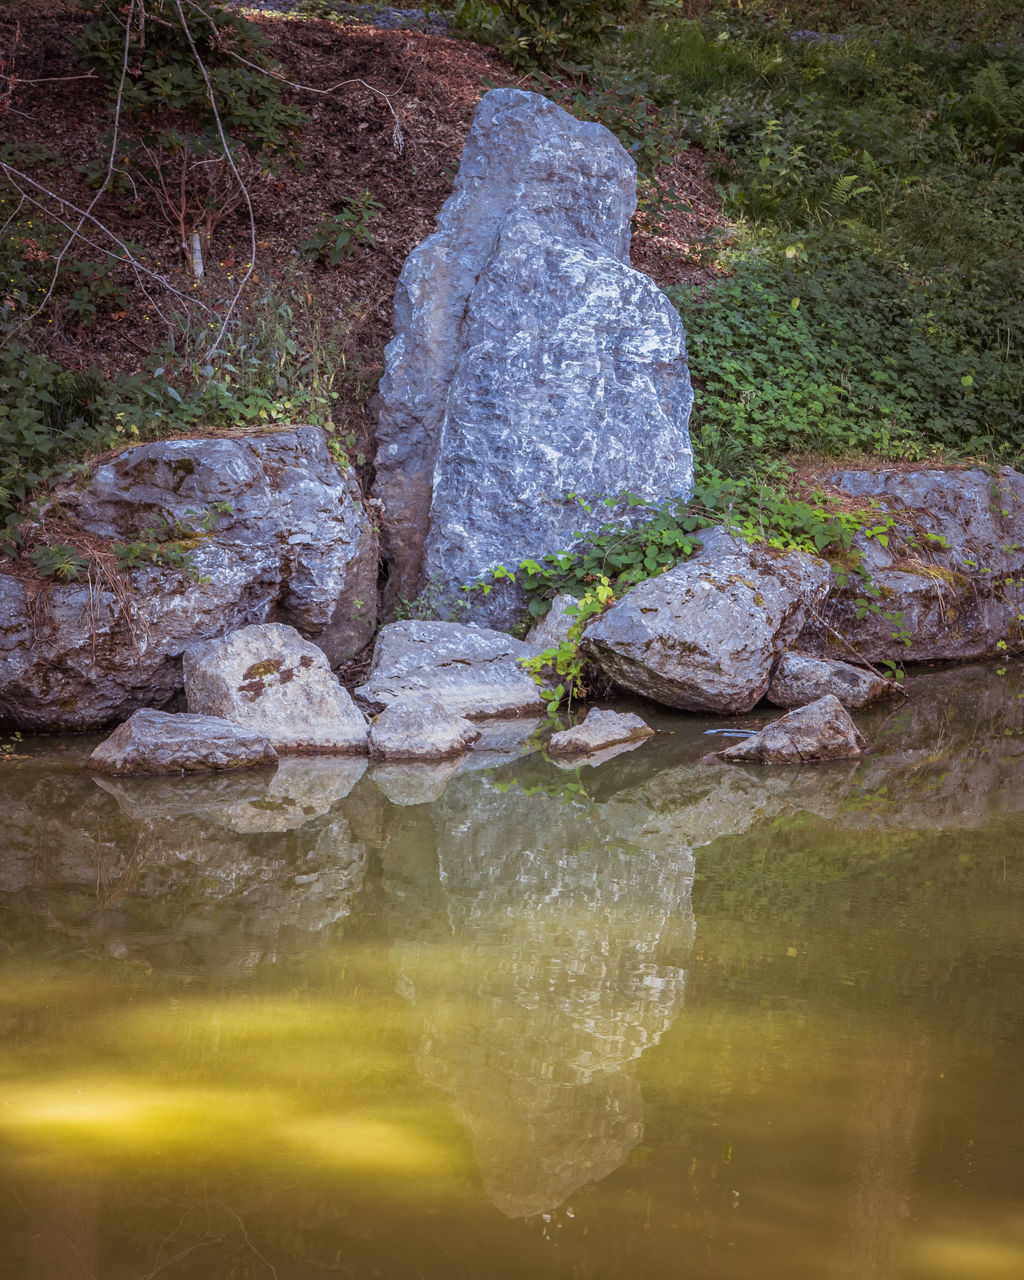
530, 361
277, 533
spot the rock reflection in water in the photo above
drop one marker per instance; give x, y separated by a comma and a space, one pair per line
567, 926
202, 876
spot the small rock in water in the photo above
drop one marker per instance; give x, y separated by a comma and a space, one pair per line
420, 730
151, 742
823, 730
269, 679
600, 729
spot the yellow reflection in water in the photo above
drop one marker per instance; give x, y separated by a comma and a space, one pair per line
945, 1254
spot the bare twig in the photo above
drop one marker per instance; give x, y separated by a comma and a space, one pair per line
211, 97
89, 75
125, 255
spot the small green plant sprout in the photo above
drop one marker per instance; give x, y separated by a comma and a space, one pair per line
59, 561
566, 659
339, 234
8, 749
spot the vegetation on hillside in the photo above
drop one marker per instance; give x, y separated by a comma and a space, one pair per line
867, 294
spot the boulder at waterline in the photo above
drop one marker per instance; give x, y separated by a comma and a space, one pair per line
798, 680
599, 730
823, 730
950, 575
151, 742
469, 671
419, 730
296, 546
705, 635
269, 679
530, 361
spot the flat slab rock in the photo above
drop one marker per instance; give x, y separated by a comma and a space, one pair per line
823, 730
267, 678
469, 671
420, 730
601, 729
798, 680
153, 742
705, 635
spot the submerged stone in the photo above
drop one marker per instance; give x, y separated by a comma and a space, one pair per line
599, 730
420, 730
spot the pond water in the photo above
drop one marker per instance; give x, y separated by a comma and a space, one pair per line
649, 1018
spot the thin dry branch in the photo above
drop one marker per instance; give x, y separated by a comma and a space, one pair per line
211, 97
126, 256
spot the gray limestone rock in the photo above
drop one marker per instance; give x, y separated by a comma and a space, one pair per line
419, 730
798, 680
599, 730
951, 577
553, 629
529, 361
156, 742
823, 730
271, 680
469, 671
705, 635
295, 546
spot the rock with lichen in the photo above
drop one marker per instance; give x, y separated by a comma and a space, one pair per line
267, 678
226, 532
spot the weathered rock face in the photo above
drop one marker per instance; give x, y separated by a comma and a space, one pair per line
822, 730
296, 546
798, 680
956, 600
469, 671
555, 626
420, 730
705, 635
530, 360
599, 730
156, 742
268, 679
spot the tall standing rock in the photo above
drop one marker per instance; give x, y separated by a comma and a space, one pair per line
530, 361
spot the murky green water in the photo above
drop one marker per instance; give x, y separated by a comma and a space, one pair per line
650, 1019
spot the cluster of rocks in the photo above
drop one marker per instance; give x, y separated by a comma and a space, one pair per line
532, 368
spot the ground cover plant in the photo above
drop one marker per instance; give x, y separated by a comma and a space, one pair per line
874, 294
